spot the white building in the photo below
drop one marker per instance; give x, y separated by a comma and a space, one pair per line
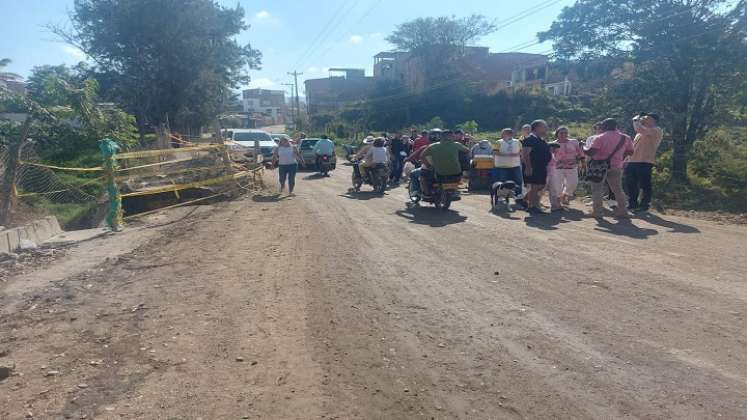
270, 103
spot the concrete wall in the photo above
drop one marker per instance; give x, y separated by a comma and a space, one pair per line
37, 232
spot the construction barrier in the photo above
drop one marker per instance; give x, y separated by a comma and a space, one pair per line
70, 192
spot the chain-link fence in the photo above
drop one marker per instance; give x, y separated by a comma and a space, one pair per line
145, 179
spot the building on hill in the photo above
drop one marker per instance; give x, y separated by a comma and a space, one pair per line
341, 87
269, 103
490, 72
13, 83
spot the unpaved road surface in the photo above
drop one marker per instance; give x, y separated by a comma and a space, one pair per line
338, 306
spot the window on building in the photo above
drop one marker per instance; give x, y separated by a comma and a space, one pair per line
508, 83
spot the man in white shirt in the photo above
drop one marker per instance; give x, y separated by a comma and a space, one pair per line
508, 160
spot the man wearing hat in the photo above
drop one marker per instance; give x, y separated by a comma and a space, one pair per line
363, 152
641, 163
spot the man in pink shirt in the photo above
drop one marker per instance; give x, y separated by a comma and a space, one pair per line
614, 146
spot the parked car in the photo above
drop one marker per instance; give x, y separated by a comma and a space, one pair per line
306, 148
250, 141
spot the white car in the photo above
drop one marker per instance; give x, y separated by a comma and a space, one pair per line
244, 139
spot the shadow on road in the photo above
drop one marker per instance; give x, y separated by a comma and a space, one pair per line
431, 216
502, 212
550, 221
362, 195
269, 198
674, 226
624, 227
315, 176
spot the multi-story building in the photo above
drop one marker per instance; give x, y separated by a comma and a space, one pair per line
490, 72
343, 86
269, 103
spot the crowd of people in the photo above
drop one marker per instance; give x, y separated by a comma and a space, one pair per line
617, 166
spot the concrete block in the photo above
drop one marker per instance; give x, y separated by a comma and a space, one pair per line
14, 239
4, 242
25, 232
45, 229
37, 232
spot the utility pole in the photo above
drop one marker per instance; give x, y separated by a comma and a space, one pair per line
295, 75
293, 114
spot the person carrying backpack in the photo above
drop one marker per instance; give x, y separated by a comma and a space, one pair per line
607, 152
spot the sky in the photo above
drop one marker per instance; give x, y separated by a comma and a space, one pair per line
309, 36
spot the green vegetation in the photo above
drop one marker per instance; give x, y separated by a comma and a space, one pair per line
682, 59
687, 61
164, 61
438, 43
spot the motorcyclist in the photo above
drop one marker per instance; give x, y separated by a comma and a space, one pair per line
324, 147
445, 158
482, 148
397, 152
416, 159
420, 141
362, 155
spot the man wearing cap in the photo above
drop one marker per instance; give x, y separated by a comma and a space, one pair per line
641, 163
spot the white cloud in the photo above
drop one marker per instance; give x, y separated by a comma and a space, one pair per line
356, 39
313, 69
262, 14
261, 83
74, 52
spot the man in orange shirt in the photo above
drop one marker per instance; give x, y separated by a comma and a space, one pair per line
640, 165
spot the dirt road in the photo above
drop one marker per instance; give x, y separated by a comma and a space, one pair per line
339, 306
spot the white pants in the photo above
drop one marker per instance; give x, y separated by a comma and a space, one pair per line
561, 182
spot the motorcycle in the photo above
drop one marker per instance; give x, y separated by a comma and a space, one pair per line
444, 191
350, 151
376, 176
324, 164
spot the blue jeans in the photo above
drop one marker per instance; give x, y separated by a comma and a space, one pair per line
511, 174
415, 179
398, 164
289, 172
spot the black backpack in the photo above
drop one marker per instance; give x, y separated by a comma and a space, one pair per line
597, 169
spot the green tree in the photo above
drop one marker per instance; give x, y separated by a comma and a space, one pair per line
166, 60
37, 82
687, 57
440, 42
469, 126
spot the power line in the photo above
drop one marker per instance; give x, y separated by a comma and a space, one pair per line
358, 22
526, 13
327, 29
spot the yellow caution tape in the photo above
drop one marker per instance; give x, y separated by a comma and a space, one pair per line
168, 162
169, 173
61, 168
162, 152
